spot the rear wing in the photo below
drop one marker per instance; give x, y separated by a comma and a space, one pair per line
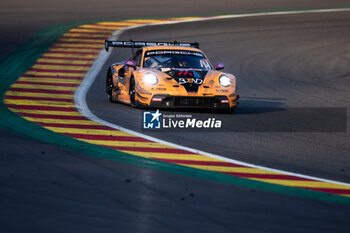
140, 44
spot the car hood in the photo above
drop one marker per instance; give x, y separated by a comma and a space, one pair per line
190, 79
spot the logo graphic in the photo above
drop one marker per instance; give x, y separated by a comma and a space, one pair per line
152, 120
190, 80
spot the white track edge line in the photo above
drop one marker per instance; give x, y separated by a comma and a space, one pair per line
80, 95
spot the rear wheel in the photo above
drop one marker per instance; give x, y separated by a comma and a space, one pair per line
109, 85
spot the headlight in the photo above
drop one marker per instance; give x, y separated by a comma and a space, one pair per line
224, 81
150, 79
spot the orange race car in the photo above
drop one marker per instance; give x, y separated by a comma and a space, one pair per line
169, 75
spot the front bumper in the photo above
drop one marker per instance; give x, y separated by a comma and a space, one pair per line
212, 102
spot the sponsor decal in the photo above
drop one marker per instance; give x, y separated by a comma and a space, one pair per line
166, 69
157, 99
221, 90
173, 52
197, 81
144, 43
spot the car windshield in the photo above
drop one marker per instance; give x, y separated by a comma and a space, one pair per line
176, 59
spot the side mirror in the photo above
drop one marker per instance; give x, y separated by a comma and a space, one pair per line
131, 63
219, 66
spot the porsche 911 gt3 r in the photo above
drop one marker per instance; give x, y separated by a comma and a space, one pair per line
169, 75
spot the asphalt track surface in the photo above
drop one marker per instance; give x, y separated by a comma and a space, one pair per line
19, 19
281, 62
45, 188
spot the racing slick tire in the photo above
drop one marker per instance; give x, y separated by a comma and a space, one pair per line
109, 85
132, 93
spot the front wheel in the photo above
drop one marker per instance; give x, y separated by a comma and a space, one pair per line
132, 93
